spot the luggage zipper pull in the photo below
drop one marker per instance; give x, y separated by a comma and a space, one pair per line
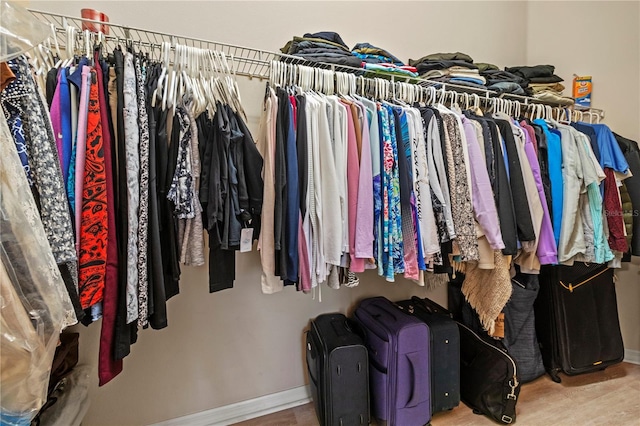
514, 384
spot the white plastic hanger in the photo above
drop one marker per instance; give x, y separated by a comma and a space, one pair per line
169, 88
176, 77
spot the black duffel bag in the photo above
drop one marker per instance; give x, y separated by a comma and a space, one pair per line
488, 378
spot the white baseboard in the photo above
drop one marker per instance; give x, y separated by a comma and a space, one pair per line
244, 410
632, 356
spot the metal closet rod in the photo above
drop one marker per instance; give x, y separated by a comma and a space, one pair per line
256, 63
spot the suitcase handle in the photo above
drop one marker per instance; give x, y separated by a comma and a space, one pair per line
355, 328
378, 311
416, 395
431, 306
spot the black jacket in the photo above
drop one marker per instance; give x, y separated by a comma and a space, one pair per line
516, 180
500, 185
632, 155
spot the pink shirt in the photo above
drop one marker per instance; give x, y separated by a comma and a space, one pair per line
353, 177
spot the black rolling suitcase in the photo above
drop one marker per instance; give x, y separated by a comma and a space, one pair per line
577, 319
338, 367
445, 351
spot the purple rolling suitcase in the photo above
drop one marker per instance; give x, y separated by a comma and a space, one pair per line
399, 362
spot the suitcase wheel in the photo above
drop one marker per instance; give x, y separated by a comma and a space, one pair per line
554, 376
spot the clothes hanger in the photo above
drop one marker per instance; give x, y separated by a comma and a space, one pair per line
86, 36
209, 86
475, 107
170, 83
422, 96
433, 95
54, 39
300, 83
272, 72
164, 53
534, 111
199, 81
232, 83
413, 93
408, 93
221, 80
191, 66
577, 115
302, 77
353, 86
549, 111
180, 84
530, 111
396, 93
340, 85
227, 82
464, 101
491, 104
331, 84
455, 106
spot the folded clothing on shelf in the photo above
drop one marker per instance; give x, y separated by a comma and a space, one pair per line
542, 83
482, 67
322, 47
529, 72
505, 82
374, 55
507, 87
385, 67
551, 87
545, 80
551, 96
438, 64
453, 70
460, 81
456, 56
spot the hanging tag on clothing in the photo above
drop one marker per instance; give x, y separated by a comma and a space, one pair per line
246, 237
499, 330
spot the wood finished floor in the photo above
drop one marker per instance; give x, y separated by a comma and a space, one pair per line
605, 398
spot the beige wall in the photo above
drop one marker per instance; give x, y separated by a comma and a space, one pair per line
601, 39
239, 344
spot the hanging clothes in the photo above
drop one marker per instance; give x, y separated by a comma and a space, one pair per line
23, 106
141, 178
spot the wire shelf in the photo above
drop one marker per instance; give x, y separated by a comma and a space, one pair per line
246, 61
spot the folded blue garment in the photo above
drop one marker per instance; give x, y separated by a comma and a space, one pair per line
467, 80
507, 87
